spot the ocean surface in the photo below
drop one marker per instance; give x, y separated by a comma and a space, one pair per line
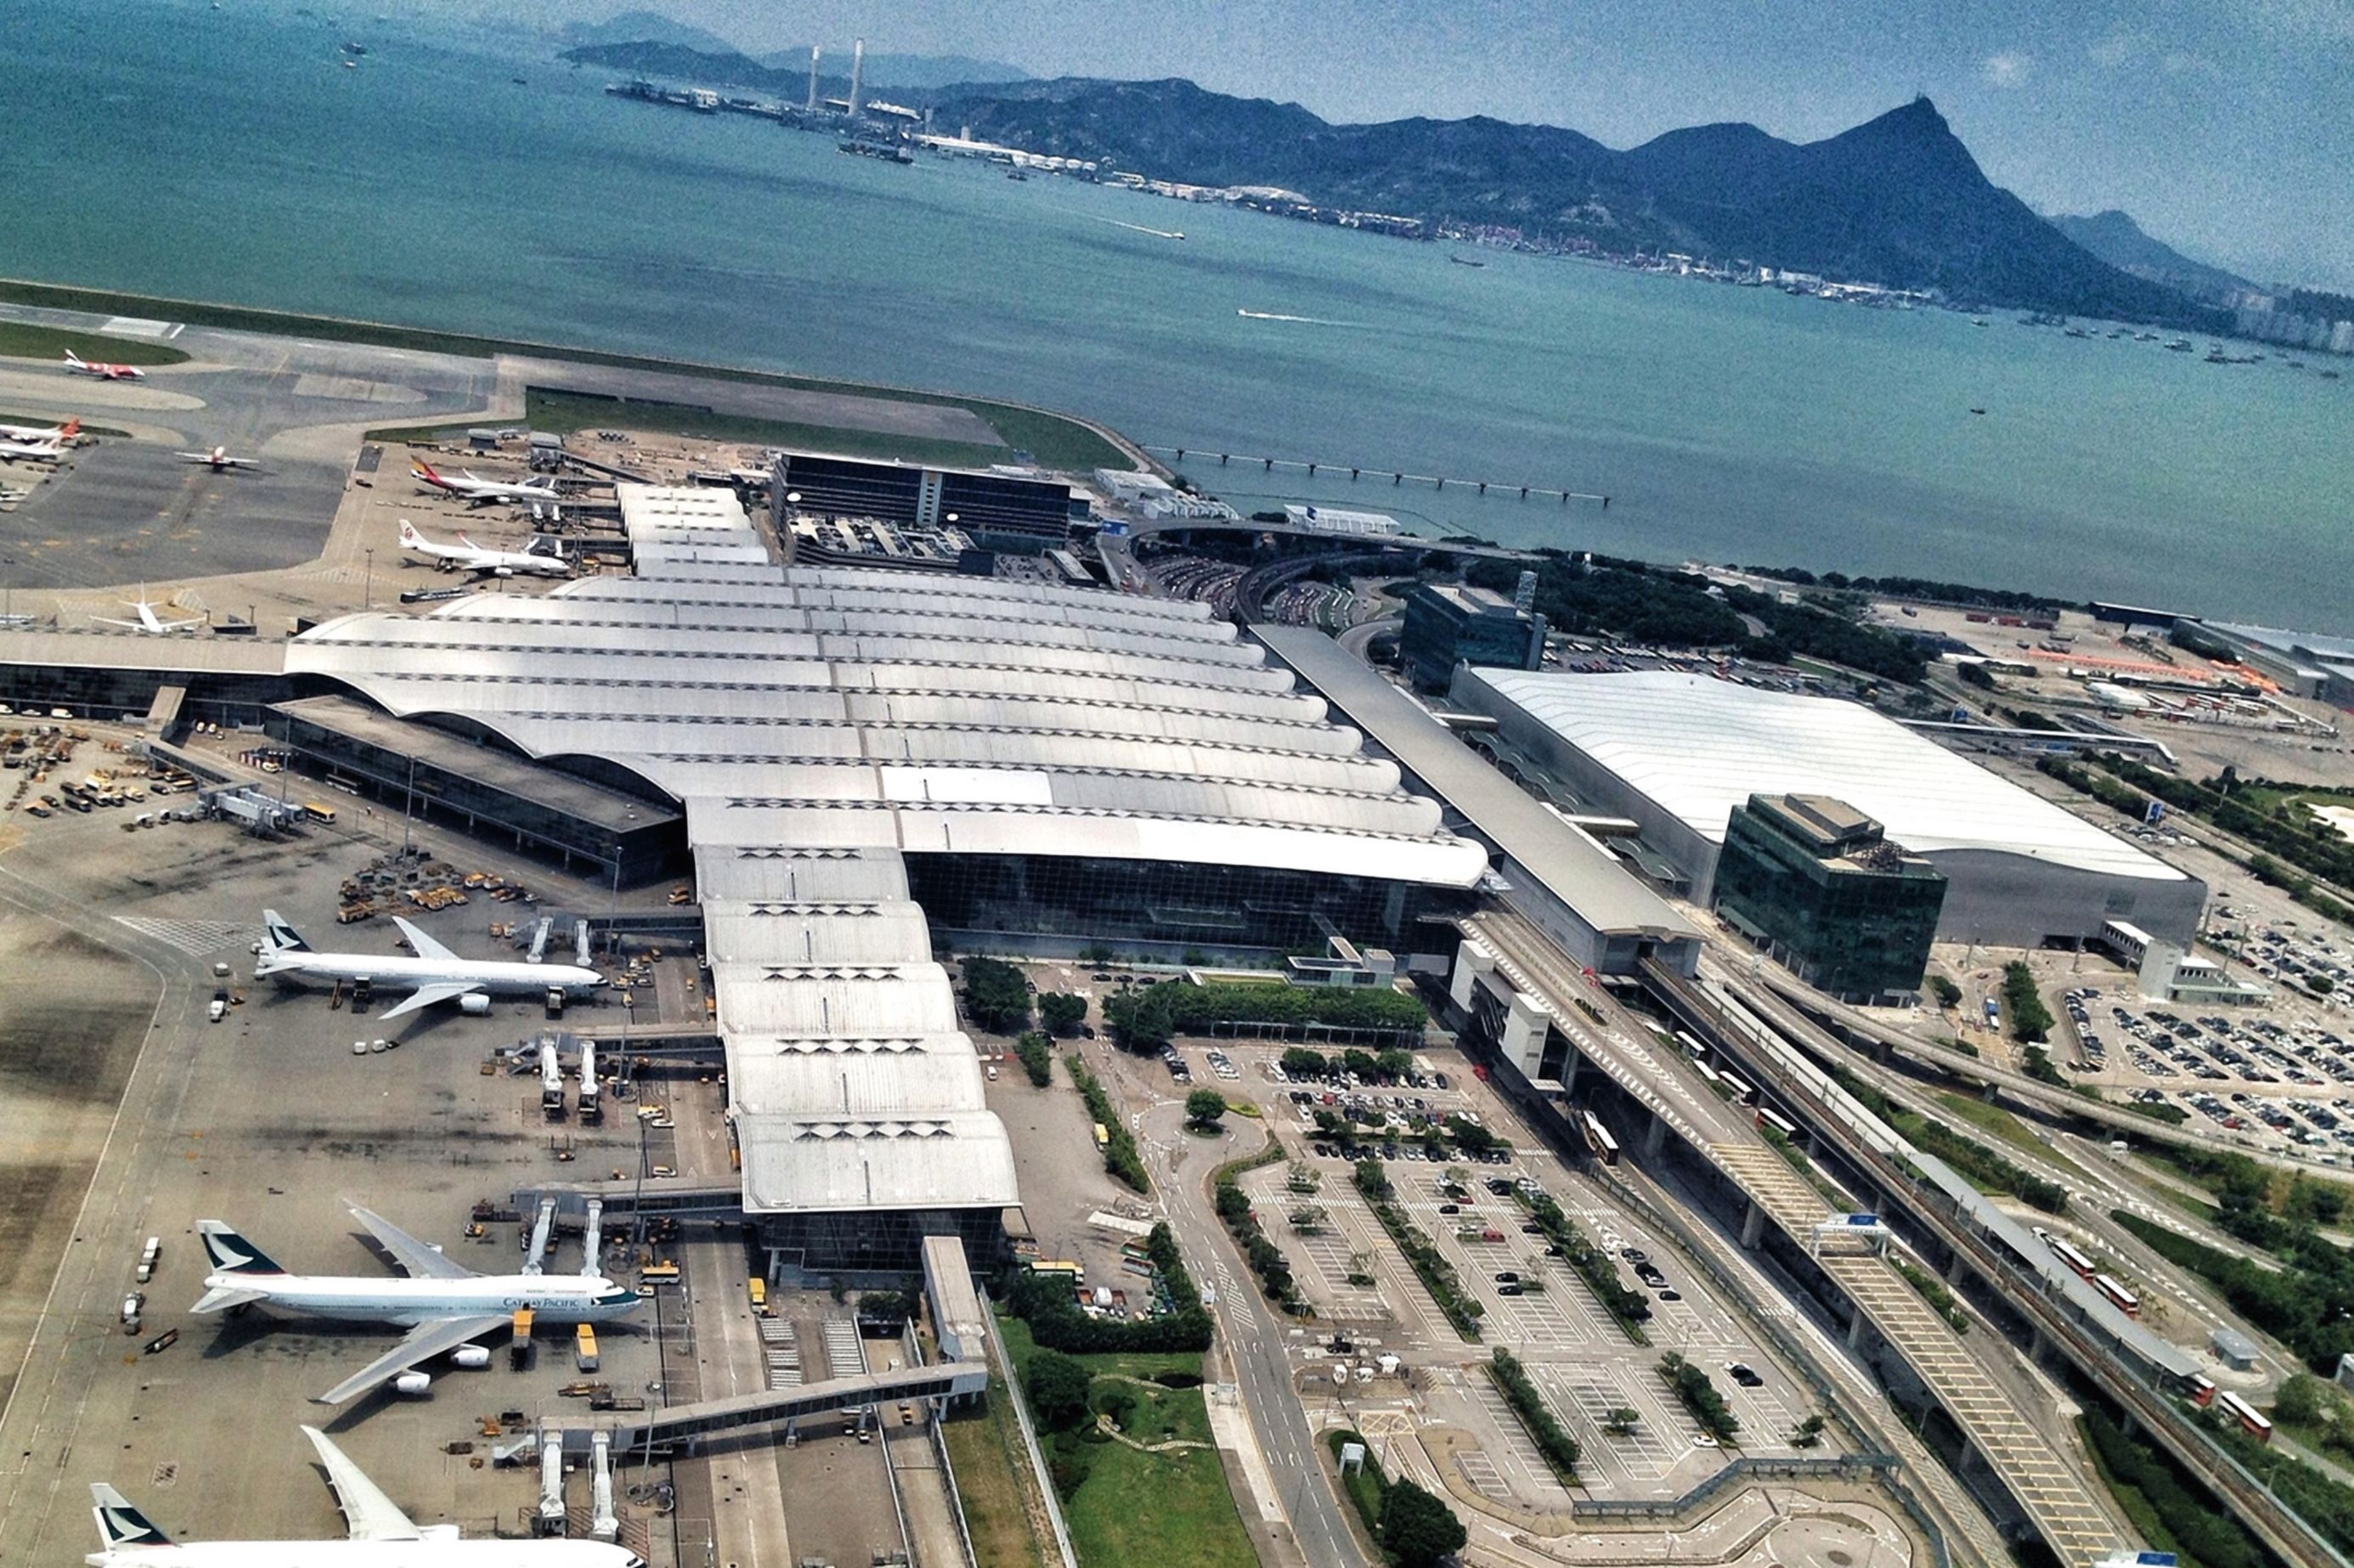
167, 147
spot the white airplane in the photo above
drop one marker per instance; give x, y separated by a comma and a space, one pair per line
58, 434
466, 556
101, 370
445, 1305
217, 459
149, 621
31, 451
480, 492
435, 974
379, 1536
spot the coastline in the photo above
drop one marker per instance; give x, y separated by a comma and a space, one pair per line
1055, 437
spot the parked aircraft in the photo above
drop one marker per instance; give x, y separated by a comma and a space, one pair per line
466, 556
380, 1535
435, 974
470, 487
31, 451
445, 1305
101, 370
58, 434
149, 621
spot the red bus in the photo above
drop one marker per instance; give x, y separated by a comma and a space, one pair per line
2124, 1300
2252, 1421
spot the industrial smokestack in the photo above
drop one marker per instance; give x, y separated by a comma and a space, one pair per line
812, 96
857, 71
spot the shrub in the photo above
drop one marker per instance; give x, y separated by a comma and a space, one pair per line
1037, 1055
1058, 1387
1558, 1446
1946, 992
1119, 1153
2031, 1021
1698, 1396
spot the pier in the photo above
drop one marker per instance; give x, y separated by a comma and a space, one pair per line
1397, 478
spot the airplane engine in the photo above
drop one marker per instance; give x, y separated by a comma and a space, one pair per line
503, 572
472, 1357
412, 1383
474, 1003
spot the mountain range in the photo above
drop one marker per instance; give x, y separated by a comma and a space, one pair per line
643, 41
1898, 200
2118, 240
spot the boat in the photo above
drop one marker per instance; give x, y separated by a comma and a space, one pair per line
884, 150
2326, 374
1979, 321
1466, 260
1977, 411
2179, 346
1016, 174
355, 48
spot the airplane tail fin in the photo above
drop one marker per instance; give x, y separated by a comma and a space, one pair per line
73, 359
280, 935
231, 1252
424, 470
120, 1523
71, 429
410, 537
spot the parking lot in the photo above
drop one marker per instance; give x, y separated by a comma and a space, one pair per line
1470, 1205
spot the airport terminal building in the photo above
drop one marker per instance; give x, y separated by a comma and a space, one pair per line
871, 765
1680, 753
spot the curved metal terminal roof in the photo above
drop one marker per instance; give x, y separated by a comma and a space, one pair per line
819, 724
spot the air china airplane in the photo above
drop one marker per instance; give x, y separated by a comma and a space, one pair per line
467, 557
380, 1536
101, 370
445, 1305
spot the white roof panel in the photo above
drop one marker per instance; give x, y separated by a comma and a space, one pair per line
1699, 746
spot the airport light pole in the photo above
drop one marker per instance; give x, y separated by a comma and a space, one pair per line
367, 592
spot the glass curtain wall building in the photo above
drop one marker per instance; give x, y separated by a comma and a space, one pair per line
1817, 885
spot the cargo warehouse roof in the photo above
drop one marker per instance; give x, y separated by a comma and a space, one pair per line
821, 724
1699, 746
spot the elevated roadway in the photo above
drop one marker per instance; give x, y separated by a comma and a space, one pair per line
2153, 1410
2046, 1485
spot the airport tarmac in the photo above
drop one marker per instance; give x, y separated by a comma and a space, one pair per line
268, 1120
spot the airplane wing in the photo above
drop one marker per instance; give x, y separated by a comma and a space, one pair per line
422, 1343
371, 1515
221, 1297
423, 946
126, 625
422, 1261
427, 995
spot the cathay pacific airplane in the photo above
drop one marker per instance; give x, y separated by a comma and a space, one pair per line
444, 1305
381, 1536
435, 974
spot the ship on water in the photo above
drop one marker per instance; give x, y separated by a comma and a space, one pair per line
888, 151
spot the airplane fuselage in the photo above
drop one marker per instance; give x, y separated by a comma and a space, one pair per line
553, 1298
396, 972
432, 1553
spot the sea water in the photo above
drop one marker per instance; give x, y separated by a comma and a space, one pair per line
165, 147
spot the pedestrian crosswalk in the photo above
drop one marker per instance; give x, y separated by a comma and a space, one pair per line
194, 938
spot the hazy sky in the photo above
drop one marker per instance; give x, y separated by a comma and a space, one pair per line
2225, 126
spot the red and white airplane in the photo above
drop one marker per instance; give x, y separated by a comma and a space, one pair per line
31, 451
61, 434
217, 459
104, 372
478, 492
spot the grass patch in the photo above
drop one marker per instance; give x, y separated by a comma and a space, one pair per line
24, 340
1365, 1484
1123, 1506
1055, 439
2004, 1125
568, 413
995, 1483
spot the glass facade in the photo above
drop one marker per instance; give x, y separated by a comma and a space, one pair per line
1447, 625
1816, 885
1217, 907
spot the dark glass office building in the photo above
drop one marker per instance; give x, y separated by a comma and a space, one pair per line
1448, 624
1815, 883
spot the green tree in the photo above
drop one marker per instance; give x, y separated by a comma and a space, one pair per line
996, 995
1808, 1434
2299, 1400
1416, 1528
1204, 1109
1946, 992
1300, 1062
1062, 1013
1620, 1420
1057, 1386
